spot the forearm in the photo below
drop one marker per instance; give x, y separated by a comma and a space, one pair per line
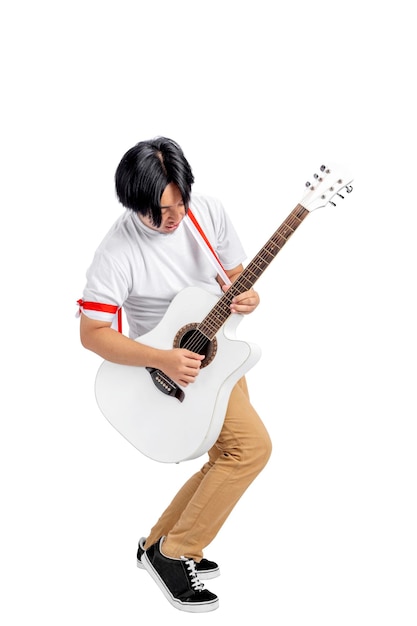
179, 364
116, 347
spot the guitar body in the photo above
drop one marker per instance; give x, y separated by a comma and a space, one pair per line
161, 426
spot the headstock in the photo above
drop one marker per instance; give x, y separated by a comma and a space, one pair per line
331, 182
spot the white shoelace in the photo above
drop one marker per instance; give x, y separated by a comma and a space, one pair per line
196, 583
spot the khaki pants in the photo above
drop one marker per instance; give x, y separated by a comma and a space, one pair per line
202, 505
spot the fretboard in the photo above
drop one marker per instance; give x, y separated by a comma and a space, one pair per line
221, 311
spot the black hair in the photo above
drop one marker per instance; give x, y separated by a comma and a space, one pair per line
144, 172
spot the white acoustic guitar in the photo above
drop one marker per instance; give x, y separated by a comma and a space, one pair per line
164, 421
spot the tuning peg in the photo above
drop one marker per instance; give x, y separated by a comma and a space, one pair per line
333, 203
349, 188
340, 196
317, 177
322, 168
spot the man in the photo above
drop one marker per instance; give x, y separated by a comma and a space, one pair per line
147, 257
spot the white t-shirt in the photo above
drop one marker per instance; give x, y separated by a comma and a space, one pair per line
141, 269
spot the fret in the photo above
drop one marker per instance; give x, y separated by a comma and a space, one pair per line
254, 270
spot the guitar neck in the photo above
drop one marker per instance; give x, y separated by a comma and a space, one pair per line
254, 270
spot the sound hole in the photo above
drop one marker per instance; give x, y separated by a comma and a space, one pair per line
192, 339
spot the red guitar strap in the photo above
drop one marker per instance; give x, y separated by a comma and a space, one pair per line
214, 258
200, 230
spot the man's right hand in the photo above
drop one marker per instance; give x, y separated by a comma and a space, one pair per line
183, 366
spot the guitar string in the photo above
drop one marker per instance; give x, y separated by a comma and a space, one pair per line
198, 340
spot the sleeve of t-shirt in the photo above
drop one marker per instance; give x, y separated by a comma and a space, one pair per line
106, 284
228, 244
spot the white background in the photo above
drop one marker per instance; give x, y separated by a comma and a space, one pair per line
259, 95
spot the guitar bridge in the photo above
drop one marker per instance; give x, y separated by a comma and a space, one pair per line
165, 384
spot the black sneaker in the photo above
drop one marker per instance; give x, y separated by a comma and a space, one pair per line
205, 569
178, 581
140, 552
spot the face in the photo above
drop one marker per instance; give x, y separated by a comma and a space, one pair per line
172, 211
